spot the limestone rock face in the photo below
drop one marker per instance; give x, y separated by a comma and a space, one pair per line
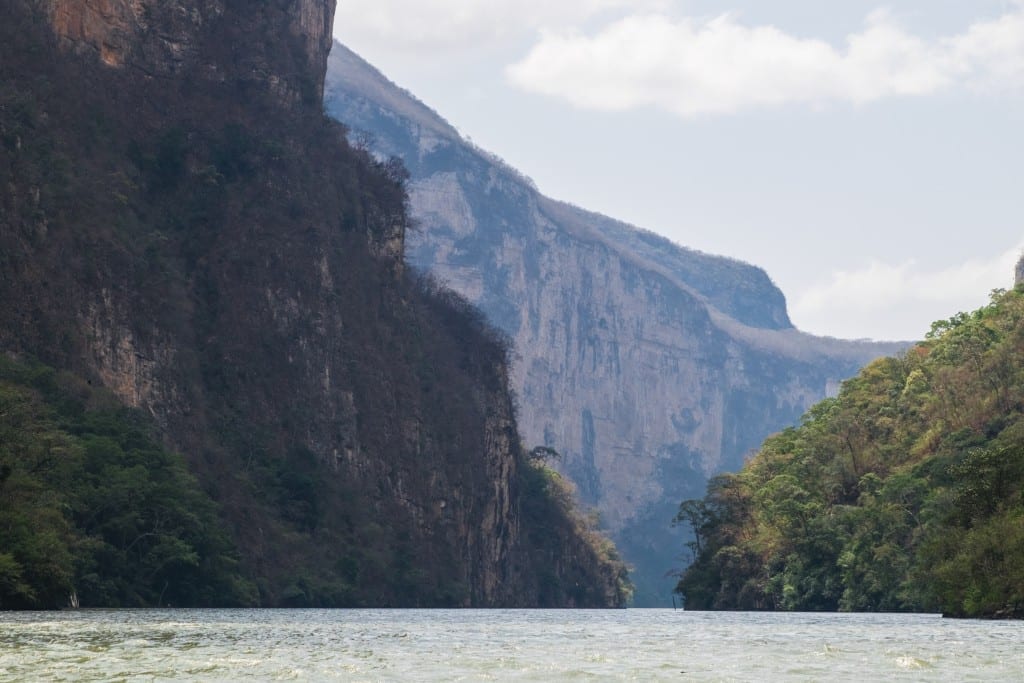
649, 367
107, 27
313, 22
166, 38
1018, 275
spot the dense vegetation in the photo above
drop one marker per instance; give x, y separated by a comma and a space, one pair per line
220, 257
904, 493
93, 510
556, 529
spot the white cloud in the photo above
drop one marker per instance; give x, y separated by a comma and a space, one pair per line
886, 301
693, 67
431, 25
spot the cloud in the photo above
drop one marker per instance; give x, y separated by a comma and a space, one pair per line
886, 301
431, 25
695, 67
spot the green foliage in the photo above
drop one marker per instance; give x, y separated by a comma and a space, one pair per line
91, 505
904, 493
556, 530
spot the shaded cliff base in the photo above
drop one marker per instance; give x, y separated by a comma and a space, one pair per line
95, 512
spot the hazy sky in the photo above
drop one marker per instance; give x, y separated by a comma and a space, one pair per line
869, 156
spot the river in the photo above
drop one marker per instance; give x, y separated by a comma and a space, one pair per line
480, 645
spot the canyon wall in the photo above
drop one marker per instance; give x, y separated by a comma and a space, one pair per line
182, 225
648, 366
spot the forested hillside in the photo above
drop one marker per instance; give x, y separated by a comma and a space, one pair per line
904, 493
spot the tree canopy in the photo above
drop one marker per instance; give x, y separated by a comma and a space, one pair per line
903, 493
93, 510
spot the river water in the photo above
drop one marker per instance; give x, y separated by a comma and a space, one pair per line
479, 645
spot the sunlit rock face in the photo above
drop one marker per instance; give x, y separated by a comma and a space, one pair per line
648, 366
166, 38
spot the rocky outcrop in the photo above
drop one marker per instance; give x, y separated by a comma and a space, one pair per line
1018, 274
164, 39
107, 27
650, 367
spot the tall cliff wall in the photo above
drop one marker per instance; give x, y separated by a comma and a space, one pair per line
212, 251
648, 366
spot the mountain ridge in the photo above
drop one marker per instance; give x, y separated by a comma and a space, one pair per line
362, 77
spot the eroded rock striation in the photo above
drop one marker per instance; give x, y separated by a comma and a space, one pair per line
650, 367
167, 39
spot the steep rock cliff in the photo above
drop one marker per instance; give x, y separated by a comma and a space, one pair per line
167, 39
182, 225
650, 367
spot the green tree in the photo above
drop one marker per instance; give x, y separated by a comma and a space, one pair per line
902, 493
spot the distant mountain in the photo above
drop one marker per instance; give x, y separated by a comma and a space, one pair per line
648, 366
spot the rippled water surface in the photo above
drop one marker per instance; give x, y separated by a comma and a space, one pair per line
471, 645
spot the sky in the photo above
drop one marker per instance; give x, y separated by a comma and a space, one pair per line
869, 156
